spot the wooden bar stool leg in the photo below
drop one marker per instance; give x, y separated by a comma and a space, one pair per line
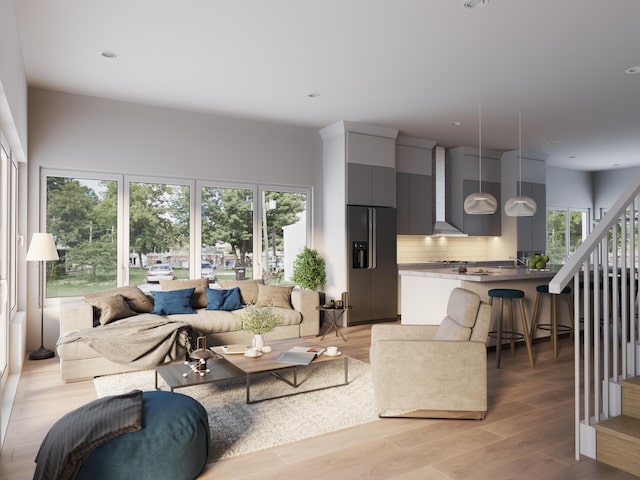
499, 339
512, 329
525, 329
554, 327
534, 319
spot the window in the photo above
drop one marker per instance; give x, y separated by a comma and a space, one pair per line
81, 214
4, 261
566, 230
110, 229
159, 229
284, 232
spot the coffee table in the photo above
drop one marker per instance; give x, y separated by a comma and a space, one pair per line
267, 363
174, 374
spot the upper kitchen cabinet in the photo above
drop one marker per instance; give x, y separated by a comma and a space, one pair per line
371, 174
414, 191
527, 178
465, 177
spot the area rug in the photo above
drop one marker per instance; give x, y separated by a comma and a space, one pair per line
237, 428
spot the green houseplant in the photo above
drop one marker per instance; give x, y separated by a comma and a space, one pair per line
259, 320
309, 269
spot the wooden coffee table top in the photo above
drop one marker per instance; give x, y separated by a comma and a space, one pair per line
267, 361
173, 374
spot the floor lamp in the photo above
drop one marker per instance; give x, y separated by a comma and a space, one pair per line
41, 249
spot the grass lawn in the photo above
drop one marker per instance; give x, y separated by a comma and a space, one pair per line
76, 285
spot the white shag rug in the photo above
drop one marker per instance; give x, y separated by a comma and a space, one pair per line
237, 428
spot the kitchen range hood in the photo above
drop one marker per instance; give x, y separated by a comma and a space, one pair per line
441, 227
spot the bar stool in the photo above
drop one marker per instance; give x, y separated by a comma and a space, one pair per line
552, 327
510, 334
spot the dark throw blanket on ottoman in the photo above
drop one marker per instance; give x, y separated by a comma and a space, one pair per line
75, 436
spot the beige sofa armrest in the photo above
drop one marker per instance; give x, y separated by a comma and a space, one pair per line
75, 316
431, 375
305, 301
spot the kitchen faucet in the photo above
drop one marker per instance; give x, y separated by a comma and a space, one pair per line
519, 261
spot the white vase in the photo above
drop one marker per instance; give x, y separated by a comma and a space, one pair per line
258, 341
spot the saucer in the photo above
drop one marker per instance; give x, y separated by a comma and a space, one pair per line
332, 355
259, 354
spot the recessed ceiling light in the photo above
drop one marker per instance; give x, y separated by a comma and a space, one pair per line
313, 95
475, 3
572, 156
632, 70
456, 124
108, 54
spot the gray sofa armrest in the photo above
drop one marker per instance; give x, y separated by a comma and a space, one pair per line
430, 375
305, 301
75, 316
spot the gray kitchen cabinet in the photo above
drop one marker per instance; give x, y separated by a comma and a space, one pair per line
413, 203
371, 185
532, 231
482, 225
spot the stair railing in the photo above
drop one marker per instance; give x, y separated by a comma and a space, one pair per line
603, 272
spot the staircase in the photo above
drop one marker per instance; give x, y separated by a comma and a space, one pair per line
618, 438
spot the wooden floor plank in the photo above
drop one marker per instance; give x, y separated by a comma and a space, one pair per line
528, 431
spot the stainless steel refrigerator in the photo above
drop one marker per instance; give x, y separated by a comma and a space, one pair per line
373, 270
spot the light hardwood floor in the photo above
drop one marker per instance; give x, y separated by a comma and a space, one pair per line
527, 434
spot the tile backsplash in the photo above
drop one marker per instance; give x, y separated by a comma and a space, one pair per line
421, 249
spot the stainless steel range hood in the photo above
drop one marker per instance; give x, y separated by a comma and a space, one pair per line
441, 227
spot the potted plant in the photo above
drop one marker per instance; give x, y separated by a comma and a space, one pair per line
309, 269
259, 320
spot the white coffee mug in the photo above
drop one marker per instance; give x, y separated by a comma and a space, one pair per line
252, 352
332, 350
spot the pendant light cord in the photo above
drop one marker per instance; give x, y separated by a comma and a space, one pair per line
520, 151
480, 145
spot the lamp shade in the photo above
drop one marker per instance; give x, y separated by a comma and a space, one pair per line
480, 203
520, 206
42, 248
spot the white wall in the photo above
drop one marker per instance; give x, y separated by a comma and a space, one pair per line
77, 132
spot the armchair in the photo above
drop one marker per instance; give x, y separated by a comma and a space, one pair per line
434, 371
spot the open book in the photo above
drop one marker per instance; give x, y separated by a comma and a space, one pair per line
300, 355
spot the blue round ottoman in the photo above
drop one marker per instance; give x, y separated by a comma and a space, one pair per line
173, 443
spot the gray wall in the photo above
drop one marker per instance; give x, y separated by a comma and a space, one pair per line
13, 84
78, 132
608, 186
569, 188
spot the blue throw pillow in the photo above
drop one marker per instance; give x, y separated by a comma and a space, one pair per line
218, 299
171, 302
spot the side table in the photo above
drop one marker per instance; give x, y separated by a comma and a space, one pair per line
334, 314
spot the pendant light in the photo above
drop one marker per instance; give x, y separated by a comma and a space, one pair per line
520, 206
480, 203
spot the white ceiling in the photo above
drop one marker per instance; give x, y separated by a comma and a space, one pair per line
416, 65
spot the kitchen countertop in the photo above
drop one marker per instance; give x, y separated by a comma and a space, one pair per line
480, 274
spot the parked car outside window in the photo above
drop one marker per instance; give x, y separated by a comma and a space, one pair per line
159, 271
206, 271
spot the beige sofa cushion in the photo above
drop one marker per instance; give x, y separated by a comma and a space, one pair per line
463, 307
220, 321
199, 298
449, 329
111, 308
137, 300
248, 288
275, 296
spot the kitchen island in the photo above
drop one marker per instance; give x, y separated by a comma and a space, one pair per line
424, 292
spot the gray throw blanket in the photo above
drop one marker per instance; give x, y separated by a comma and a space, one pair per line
143, 342
73, 438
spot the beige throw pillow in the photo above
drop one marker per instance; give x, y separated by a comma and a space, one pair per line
137, 300
248, 288
276, 296
199, 298
111, 308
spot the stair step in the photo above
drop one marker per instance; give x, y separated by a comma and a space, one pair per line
631, 397
618, 443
